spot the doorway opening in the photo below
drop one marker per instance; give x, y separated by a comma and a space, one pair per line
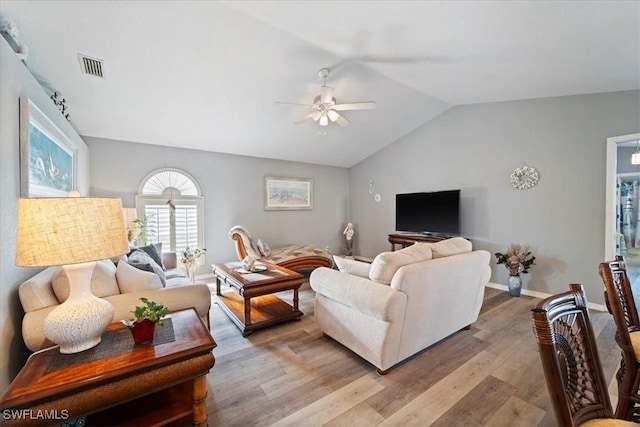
628, 224
622, 213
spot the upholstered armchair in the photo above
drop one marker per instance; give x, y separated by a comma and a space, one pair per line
404, 301
293, 257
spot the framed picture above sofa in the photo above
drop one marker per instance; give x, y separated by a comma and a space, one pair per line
287, 193
47, 155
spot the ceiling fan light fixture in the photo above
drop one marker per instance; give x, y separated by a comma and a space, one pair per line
635, 157
325, 109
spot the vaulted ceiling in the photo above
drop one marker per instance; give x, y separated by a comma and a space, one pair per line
205, 74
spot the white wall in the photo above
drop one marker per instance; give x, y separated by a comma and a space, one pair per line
233, 190
476, 147
17, 81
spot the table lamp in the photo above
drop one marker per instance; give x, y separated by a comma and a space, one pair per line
73, 232
129, 215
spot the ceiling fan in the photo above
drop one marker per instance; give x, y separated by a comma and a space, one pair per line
325, 110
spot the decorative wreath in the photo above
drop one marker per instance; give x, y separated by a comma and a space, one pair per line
524, 177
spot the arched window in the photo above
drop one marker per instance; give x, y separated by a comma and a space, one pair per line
172, 202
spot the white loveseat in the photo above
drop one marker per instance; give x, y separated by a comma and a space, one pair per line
122, 285
404, 301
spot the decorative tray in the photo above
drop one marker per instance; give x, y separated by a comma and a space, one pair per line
256, 269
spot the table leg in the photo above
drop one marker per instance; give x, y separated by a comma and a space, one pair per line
199, 402
295, 299
218, 285
247, 311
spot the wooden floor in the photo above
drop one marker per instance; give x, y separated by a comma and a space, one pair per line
289, 375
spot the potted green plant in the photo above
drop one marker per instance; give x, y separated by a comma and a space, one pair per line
146, 317
518, 259
144, 231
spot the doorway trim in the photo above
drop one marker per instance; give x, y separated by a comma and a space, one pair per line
611, 182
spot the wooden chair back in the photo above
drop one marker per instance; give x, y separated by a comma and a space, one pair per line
570, 359
620, 303
619, 299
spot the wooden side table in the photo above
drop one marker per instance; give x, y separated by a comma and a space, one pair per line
406, 239
118, 383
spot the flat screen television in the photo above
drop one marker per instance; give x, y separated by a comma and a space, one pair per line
435, 213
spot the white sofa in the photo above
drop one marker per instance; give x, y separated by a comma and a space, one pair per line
404, 301
121, 285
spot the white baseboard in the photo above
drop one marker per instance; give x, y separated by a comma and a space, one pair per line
542, 295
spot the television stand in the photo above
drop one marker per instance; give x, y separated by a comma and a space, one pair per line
408, 239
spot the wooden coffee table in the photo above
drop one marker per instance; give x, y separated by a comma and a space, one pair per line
118, 383
251, 304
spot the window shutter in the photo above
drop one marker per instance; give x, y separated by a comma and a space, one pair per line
179, 224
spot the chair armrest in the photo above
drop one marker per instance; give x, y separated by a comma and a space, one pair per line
170, 260
366, 296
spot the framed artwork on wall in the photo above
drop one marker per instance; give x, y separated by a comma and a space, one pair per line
287, 193
47, 155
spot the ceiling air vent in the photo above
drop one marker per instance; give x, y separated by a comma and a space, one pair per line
91, 66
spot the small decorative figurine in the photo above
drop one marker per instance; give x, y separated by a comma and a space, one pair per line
348, 233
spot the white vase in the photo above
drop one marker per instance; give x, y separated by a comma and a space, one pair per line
78, 323
515, 285
191, 271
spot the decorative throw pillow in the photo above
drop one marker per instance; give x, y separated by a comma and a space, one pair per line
153, 251
141, 259
385, 265
264, 249
448, 247
131, 279
351, 266
103, 281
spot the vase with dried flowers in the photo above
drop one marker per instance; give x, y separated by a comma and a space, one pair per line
189, 260
518, 259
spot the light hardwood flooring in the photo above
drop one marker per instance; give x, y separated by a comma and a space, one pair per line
289, 375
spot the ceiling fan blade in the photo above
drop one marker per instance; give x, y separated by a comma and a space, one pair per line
370, 105
326, 94
341, 121
294, 104
314, 115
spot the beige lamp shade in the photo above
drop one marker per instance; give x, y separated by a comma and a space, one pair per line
69, 230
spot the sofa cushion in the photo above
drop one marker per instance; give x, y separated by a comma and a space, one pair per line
154, 251
143, 261
103, 281
131, 279
385, 264
36, 292
448, 247
351, 266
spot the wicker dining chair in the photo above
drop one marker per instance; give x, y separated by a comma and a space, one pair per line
569, 354
619, 299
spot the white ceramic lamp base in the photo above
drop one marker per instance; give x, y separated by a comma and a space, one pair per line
78, 323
